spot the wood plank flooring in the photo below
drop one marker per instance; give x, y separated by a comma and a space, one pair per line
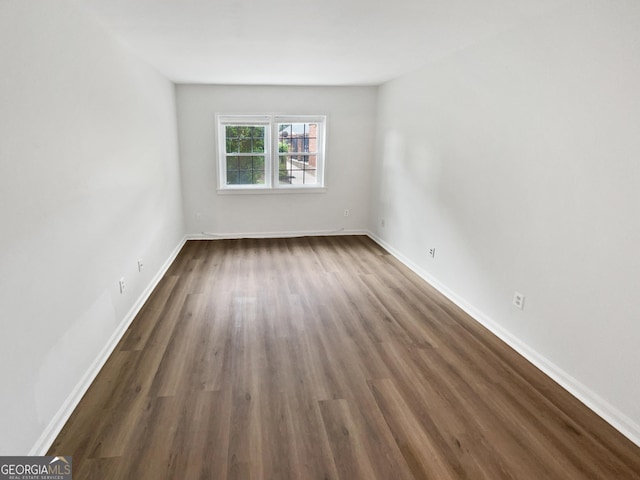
324, 358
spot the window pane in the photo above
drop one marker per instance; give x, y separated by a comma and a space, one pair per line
245, 170
231, 131
258, 163
283, 146
244, 163
298, 137
244, 177
297, 170
257, 178
282, 169
232, 163
257, 145
284, 130
244, 139
245, 145
232, 177
232, 145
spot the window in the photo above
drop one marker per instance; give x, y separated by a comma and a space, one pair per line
270, 152
246, 147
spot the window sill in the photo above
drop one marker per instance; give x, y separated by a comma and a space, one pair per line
269, 191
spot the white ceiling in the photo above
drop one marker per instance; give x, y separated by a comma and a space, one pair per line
304, 42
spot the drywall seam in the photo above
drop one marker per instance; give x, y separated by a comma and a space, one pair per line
593, 401
54, 427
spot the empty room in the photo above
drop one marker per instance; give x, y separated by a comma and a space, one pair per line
320, 239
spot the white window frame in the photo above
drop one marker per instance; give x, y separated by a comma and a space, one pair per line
249, 120
272, 182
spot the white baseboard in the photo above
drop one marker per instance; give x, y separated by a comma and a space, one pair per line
55, 426
597, 404
305, 233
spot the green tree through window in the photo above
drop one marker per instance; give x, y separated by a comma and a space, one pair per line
245, 152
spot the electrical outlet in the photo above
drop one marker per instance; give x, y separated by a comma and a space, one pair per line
346, 213
140, 265
121, 284
432, 252
518, 300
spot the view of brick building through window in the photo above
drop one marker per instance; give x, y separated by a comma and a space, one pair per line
298, 148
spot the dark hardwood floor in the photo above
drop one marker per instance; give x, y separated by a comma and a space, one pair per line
323, 358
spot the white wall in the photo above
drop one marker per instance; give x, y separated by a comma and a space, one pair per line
89, 183
519, 160
350, 137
